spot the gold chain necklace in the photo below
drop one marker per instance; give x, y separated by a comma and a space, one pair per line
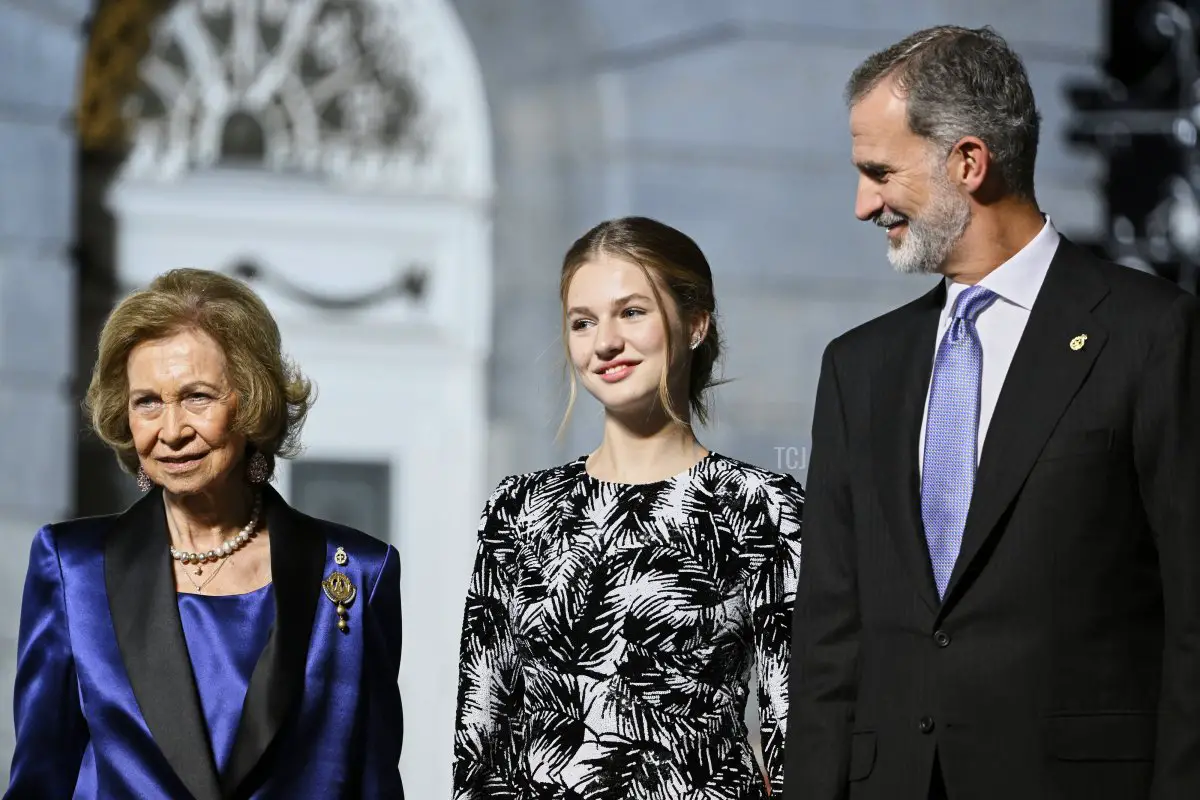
213, 574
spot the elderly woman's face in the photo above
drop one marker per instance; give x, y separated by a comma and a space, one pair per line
181, 408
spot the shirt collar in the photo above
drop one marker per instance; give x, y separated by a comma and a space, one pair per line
1019, 279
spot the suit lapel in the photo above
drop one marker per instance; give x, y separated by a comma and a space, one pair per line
275, 689
140, 582
1044, 376
896, 426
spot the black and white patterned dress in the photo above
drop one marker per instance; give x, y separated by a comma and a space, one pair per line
610, 630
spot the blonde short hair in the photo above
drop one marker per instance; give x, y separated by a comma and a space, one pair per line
273, 397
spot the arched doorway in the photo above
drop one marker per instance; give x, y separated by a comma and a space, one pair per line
335, 154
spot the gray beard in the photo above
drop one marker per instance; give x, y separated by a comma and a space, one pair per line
929, 239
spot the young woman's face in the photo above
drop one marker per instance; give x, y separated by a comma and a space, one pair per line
617, 334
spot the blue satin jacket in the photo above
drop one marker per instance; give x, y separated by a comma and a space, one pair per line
106, 703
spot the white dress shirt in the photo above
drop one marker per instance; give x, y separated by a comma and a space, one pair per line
1016, 283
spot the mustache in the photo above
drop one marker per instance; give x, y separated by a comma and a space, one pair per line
888, 218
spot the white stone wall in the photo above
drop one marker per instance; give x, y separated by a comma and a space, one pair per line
725, 119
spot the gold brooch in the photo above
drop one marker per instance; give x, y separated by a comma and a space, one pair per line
1078, 342
340, 558
341, 592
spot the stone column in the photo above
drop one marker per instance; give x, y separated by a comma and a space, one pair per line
40, 50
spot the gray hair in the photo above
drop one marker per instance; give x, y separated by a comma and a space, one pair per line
962, 82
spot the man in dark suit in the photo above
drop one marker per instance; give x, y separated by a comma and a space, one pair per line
1000, 594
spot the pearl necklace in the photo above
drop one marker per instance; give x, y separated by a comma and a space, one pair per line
228, 548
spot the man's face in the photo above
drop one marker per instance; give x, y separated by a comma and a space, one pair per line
903, 184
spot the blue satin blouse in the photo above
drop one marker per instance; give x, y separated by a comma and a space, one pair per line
225, 635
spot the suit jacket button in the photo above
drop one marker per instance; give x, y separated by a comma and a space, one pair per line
942, 638
926, 725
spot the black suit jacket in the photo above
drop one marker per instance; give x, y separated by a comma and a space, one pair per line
1064, 661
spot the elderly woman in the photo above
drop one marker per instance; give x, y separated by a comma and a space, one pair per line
209, 642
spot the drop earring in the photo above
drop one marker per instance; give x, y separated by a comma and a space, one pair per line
257, 469
143, 480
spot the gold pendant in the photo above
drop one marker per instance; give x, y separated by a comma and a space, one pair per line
200, 570
341, 593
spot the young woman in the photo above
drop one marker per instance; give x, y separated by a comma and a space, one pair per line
619, 601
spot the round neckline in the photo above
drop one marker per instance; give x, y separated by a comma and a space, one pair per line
243, 596
687, 473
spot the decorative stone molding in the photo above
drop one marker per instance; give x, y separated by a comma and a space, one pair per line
409, 282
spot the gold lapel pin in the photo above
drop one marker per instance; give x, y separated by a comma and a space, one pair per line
341, 593
340, 557
1078, 342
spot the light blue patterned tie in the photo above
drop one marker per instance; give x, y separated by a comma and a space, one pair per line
951, 434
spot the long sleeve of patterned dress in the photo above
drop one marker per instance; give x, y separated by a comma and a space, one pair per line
489, 681
770, 597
